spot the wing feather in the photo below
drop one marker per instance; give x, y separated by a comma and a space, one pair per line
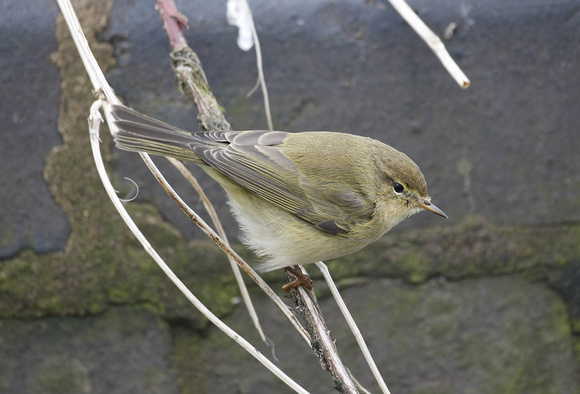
266, 172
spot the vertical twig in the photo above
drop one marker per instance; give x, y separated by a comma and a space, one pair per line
321, 342
220, 230
172, 22
353, 327
261, 78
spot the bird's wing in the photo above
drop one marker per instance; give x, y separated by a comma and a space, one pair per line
334, 208
254, 161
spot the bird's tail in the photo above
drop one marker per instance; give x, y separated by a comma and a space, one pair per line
140, 133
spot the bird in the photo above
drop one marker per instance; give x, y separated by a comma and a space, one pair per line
298, 197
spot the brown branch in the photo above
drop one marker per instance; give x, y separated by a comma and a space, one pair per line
173, 20
188, 70
322, 344
193, 83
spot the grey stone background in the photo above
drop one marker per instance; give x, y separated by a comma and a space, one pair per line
486, 302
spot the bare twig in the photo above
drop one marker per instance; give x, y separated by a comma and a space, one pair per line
193, 83
321, 342
187, 67
173, 20
432, 41
353, 327
261, 78
220, 229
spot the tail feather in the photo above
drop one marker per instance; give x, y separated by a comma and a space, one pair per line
125, 114
140, 133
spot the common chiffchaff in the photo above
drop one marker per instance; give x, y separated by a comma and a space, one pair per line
299, 197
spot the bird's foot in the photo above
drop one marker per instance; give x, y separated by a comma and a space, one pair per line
301, 279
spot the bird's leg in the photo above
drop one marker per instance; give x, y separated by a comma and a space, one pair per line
301, 279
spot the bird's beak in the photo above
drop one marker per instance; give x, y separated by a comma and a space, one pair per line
428, 205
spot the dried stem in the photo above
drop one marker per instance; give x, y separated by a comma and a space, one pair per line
220, 230
353, 327
432, 41
261, 78
172, 22
322, 344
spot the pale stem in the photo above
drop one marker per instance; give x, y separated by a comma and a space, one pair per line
353, 326
220, 229
432, 41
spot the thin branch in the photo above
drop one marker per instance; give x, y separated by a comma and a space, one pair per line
353, 327
220, 229
207, 230
261, 78
94, 71
190, 76
193, 83
432, 41
322, 344
173, 20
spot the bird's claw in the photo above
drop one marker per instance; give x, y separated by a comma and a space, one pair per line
301, 279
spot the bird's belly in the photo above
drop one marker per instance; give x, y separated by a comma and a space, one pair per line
282, 239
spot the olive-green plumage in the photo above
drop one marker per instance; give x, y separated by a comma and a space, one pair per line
298, 197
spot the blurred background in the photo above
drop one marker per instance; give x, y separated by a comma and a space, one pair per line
485, 302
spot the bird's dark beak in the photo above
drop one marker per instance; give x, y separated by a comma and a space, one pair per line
429, 206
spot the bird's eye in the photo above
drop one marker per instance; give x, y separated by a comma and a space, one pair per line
398, 188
